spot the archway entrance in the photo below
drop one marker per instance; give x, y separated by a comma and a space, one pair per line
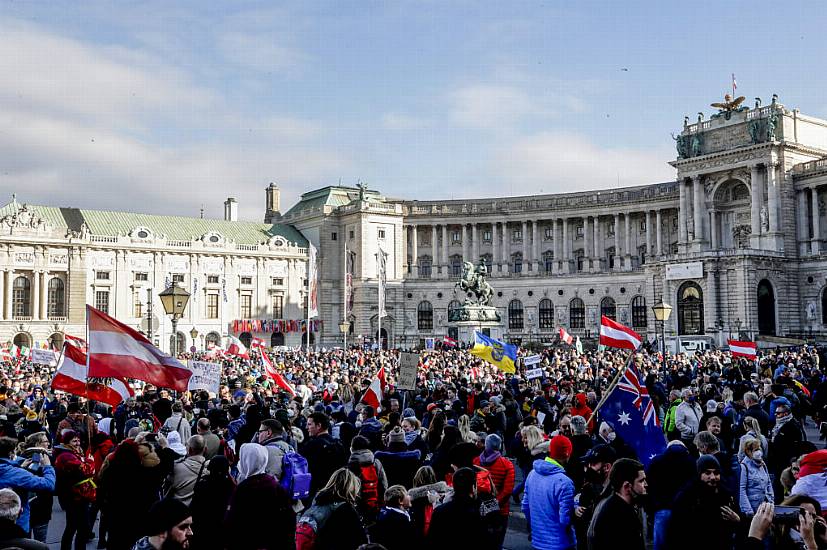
766, 308
22, 340
277, 339
384, 336
690, 309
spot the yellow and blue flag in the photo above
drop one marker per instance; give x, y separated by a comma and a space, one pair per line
501, 355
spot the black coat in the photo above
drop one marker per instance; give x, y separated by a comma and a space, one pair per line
667, 474
12, 536
394, 531
760, 415
457, 524
324, 456
616, 524
786, 445
696, 519
260, 516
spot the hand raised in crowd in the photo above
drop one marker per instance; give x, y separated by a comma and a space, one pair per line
806, 527
761, 521
729, 514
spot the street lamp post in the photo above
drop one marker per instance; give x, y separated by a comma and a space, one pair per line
344, 327
662, 311
194, 335
174, 299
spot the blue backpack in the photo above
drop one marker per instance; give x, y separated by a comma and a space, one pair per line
295, 477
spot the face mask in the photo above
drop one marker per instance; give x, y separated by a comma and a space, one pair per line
758, 455
593, 476
611, 436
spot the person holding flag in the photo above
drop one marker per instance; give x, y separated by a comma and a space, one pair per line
498, 353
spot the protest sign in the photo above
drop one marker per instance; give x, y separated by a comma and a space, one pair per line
205, 376
531, 374
44, 357
531, 360
407, 371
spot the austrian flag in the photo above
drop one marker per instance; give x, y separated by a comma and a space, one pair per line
374, 393
615, 335
71, 378
743, 349
565, 336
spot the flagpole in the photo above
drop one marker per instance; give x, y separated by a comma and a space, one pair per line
309, 290
344, 295
612, 386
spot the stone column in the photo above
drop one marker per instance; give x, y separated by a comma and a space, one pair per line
628, 246
35, 311
598, 252
816, 241
414, 252
698, 208
659, 231
444, 261
713, 229
773, 195
682, 211
756, 198
9, 282
526, 257
495, 249
649, 252
465, 248
566, 246
586, 252
535, 246
475, 244
44, 295
618, 253
434, 258
803, 228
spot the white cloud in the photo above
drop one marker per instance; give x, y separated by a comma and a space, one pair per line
260, 52
402, 121
489, 106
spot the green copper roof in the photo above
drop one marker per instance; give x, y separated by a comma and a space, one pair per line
105, 222
326, 196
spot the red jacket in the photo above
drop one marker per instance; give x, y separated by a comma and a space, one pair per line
502, 474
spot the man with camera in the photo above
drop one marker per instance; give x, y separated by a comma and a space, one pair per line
19, 478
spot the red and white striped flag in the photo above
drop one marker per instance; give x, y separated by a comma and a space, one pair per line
566, 337
615, 335
743, 349
257, 343
119, 351
373, 395
71, 378
75, 341
447, 341
236, 347
271, 371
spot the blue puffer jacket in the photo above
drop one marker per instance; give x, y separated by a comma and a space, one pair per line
15, 477
548, 505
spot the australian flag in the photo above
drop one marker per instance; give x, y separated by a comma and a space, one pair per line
630, 411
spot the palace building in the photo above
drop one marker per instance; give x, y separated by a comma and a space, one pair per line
734, 245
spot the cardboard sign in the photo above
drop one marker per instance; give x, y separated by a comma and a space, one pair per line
407, 371
531, 374
205, 376
44, 357
531, 360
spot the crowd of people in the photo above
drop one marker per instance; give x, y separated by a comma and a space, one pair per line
448, 463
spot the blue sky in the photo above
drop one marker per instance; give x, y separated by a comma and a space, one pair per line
160, 106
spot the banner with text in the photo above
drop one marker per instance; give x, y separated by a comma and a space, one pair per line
205, 376
408, 363
44, 357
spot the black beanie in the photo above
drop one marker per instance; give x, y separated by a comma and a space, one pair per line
708, 462
166, 514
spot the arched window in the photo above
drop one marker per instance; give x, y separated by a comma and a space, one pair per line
425, 316
246, 338
766, 308
56, 341
639, 318
546, 311
22, 340
517, 263
515, 315
548, 261
454, 308
690, 309
56, 301
425, 267
277, 339
21, 297
577, 313
608, 308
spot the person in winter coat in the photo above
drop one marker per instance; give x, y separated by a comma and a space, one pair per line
75, 489
249, 525
426, 493
414, 436
323, 453
785, 439
101, 447
393, 528
342, 528
752, 430
188, 471
616, 522
669, 427
373, 480
400, 462
688, 417
457, 522
755, 485
130, 482
169, 526
667, 474
210, 501
597, 466
272, 437
11, 535
177, 422
17, 475
39, 503
580, 408
502, 475
548, 503
535, 446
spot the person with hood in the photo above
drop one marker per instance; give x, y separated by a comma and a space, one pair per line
705, 502
581, 408
188, 471
400, 462
667, 473
393, 528
18, 475
616, 522
502, 475
76, 489
373, 481
548, 503
248, 525
426, 493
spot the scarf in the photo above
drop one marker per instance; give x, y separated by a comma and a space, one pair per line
779, 423
489, 457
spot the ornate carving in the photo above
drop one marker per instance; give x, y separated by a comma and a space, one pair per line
765, 220
473, 280
680, 145
772, 122
755, 130
696, 144
24, 218
741, 234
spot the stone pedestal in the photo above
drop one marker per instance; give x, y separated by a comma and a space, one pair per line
475, 317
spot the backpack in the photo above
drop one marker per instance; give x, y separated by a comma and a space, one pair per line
309, 524
369, 494
227, 450
485, 486
295, 477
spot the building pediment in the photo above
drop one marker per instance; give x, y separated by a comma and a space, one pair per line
24, 220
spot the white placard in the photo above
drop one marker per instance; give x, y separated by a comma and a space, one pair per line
205, 376
407, 371
531, 374
531, 360
691, 270
44, 357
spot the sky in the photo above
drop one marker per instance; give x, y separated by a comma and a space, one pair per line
162, 107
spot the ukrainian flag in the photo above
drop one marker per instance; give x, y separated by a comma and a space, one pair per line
501, 355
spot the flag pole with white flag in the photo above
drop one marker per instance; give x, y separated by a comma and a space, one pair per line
312, 297
382, 259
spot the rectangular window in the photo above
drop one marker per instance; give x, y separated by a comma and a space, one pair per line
178, 278
579, 231
246, 280
486, 235
139, 276
643, 224
102, 300
382, 234
352, 233
333, 236
277, 281
212, 279
611, 229
102, 275
278, 306
517, 235
138, 306
455, 237
212, 306
246, 306
549, 233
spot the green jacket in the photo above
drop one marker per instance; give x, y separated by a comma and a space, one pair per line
669, 423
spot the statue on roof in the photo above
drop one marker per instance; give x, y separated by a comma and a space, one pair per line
729, 106
362, 189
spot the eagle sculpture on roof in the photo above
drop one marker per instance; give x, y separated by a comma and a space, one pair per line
729, 104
